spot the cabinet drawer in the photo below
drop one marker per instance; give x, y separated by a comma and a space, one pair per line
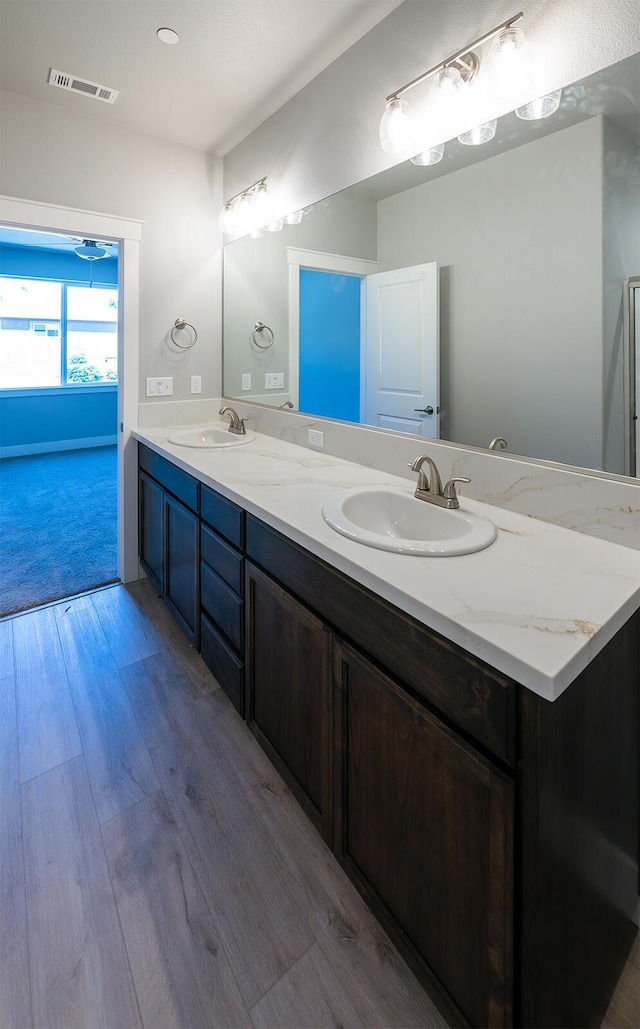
223, 515
223, 606
223, 663
183, 486
224, 560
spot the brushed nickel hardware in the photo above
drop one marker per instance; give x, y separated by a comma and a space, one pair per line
431, 489
499, 441
426, 410
236, 423
287, 403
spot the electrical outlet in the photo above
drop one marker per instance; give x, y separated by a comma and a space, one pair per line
316, 438
246, 380
274, 380
160, 387
196, 384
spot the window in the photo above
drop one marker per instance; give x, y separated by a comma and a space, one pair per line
54, 333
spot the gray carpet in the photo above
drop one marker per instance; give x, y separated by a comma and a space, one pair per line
58, 529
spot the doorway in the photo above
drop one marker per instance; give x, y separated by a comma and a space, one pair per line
28, 214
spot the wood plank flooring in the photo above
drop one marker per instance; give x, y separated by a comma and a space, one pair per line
154, 869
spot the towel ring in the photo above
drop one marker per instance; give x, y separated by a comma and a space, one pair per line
260, 328
178, 326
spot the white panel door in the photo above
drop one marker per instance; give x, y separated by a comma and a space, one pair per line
401, 350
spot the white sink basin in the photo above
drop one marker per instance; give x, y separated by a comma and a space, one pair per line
393, 519
209, 437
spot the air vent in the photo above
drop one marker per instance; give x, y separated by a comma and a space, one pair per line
76, 85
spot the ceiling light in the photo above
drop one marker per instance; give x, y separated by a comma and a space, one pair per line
90, 250
540, 108
168, 36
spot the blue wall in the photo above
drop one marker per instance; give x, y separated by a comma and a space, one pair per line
79, 414
330, 344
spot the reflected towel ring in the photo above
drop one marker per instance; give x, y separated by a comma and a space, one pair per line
260, 328
179, 325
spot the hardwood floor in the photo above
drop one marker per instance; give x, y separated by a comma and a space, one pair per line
154, 869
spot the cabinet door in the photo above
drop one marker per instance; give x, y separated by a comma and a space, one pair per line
151, 529
182, 564
424, 826
289, 692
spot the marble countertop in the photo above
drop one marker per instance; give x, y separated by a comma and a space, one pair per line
537, 605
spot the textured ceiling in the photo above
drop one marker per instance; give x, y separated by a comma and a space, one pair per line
236, 63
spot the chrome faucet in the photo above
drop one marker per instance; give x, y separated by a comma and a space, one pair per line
499, 441
431, 489
236, 423
287, 403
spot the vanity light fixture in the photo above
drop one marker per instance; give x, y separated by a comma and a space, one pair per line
397, 133
247, 209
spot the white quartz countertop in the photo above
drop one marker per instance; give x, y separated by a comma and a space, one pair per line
537, 605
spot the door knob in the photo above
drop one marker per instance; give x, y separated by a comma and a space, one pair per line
425, 410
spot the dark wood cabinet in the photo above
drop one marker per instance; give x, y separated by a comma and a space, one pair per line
222, 592
169, 528
151, 529
493, 833
289, 692
424, 825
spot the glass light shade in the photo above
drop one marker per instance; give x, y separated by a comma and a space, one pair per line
90, 250
481, 134
260, 203
540, 108
294, 218
243, 210
511, 64
227, 219
427, 157
447, 86
396, 131
275, 226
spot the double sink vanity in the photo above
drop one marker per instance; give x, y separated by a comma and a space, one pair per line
451, 692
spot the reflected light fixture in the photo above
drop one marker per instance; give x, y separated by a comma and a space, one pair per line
397, 134
480, 134
543, 107
427, 157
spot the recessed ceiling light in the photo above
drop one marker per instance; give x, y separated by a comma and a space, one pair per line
168, 36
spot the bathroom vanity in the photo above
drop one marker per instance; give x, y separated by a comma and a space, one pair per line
474, 771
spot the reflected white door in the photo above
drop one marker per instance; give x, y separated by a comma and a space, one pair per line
401, 350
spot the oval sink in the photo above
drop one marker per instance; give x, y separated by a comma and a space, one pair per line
208, 437
394, 519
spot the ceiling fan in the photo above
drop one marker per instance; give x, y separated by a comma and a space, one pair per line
93, 249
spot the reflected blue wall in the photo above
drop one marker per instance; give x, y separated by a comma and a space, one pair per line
330, 344
72, 417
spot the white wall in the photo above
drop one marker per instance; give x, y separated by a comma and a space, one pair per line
518, 241
621, 258
59, 157
326, 137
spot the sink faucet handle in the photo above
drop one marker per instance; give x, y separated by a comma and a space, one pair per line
450, 489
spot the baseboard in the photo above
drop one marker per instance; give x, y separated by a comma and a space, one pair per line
54, 446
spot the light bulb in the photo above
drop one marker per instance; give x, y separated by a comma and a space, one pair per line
243, 212
227, 219
540, 108
511, 64
396, 131
480, 134
294, 218
431, 156
260, 204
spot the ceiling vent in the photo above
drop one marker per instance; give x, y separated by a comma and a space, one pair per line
75, 85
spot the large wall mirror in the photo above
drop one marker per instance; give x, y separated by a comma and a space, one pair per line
487, 296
